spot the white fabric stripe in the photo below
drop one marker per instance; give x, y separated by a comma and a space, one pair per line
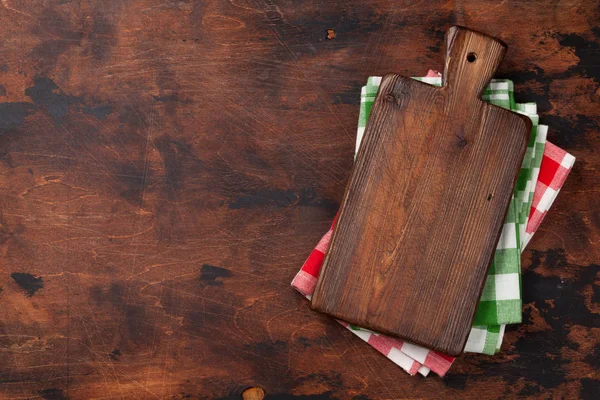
360, 132
417, 352
401, 359
542, 133
376, 80
508, 238
494, 85
568, 161
498, 86
547, 199
524, 112
528, 189
359, 135
527, 238
364, 335
530, 108
424, 370
324, 242
476, 340
497, 96
431, 80
500, 337
507, 286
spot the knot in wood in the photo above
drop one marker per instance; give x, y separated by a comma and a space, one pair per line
390, 97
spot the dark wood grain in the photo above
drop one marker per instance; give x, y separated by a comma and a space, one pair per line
167, 166
425, 203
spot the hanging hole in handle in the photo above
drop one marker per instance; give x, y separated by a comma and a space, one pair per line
471, 57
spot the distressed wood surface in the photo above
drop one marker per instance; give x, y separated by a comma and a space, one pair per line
166, 167
425, 203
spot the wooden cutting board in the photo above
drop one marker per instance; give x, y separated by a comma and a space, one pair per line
426, 202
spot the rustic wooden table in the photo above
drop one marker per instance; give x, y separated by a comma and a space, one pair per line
166, 167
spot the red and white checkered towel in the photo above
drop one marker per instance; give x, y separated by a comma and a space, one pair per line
556, 165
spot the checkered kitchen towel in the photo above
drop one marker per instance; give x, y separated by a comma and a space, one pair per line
501, 299
486, 339
555, 167
482, 339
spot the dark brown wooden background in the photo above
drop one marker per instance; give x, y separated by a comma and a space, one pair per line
166, 167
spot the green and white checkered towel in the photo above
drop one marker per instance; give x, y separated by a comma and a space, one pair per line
501, 299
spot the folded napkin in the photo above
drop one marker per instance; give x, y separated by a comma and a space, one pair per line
555, 167
483, 338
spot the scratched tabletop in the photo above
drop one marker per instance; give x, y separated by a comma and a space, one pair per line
167, 166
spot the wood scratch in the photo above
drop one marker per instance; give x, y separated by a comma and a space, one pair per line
8, 7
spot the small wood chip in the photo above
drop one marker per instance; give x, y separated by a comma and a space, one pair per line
254, 393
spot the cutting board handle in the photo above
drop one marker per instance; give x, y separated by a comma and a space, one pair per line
471, 60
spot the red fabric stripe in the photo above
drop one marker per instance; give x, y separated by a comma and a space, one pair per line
414, 368
381, 343
437, 364
548, 170
334, 220
554, 152
535, 219
397, 343
324, 242
304, 283
559, 177
314, 263
445, 356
